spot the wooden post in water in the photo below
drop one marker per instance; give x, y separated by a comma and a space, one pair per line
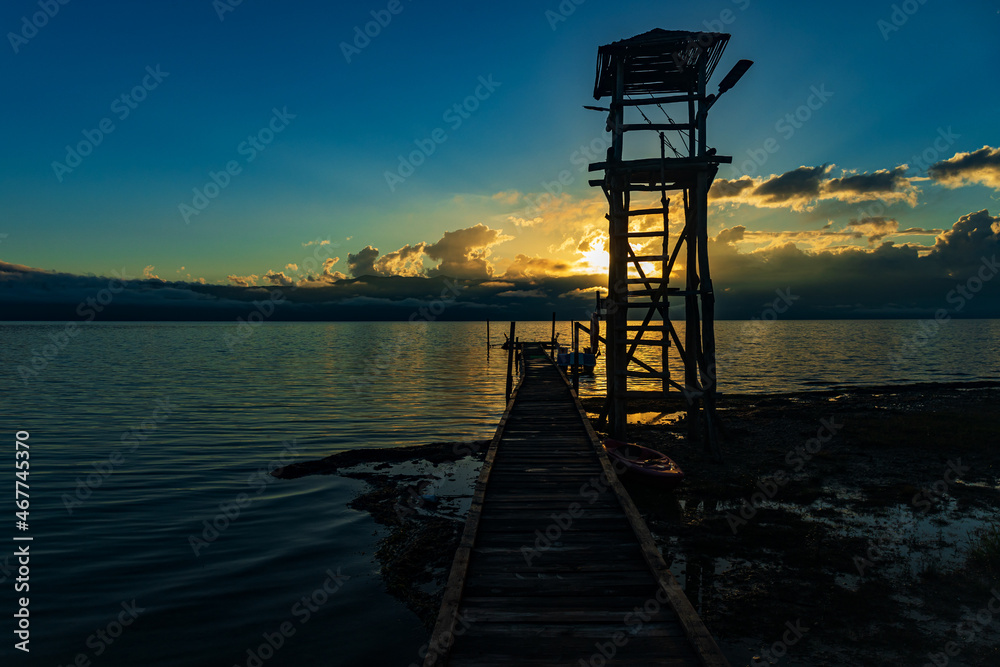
576, 359
692, 324
552, 350
510, 364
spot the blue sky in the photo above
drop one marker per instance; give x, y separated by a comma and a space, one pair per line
894, 91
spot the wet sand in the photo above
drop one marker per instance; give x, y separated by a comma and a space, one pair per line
845, 527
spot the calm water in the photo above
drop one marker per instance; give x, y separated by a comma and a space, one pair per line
146, 431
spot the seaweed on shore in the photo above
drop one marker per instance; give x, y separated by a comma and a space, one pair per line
415, 556
438, 452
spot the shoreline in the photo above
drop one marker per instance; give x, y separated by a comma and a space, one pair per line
868, 542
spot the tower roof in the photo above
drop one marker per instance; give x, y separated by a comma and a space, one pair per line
659, 61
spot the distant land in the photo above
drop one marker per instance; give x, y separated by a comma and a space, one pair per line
33, 295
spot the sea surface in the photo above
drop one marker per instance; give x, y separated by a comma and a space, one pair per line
157, 536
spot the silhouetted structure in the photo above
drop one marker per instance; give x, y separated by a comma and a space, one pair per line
661, 68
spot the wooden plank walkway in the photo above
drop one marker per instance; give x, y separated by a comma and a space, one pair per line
555, 566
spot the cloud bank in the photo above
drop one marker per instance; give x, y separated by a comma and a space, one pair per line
870, 265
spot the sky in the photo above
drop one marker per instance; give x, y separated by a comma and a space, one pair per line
207, 151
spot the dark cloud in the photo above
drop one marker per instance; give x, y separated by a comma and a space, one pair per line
968, 240
792, 186
889, 281
725, 189
523, 294
27, 293
731, 235
879, 182
981, 166
278, 279
801, 188
362, 263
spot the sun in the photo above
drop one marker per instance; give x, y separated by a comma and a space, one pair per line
593, 261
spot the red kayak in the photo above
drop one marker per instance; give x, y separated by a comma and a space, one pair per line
645, 463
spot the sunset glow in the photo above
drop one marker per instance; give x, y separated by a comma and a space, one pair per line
266, 177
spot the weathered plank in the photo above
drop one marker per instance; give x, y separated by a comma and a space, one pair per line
555, 565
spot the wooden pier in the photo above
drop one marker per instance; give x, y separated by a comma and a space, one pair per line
555, 566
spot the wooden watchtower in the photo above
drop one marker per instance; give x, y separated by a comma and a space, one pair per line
661, 71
